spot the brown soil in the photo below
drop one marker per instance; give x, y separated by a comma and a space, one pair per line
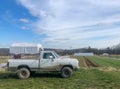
89, 63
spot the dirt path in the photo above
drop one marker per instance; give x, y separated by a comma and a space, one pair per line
89, 63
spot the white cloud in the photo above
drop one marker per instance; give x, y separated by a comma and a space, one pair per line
105, 2
75, 23
24, 28
24, 20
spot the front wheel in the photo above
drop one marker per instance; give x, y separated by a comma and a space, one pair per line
23, 73
66, 72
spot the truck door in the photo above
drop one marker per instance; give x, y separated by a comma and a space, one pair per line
46, 63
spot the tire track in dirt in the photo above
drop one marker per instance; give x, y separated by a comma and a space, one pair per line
89, 63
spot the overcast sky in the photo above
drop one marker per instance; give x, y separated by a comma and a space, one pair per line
60, 23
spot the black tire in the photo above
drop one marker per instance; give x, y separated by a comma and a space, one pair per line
66, 72
23, 73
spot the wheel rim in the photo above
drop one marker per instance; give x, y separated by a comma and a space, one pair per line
24, 74
67, 72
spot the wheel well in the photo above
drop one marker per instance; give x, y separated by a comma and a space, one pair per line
70, 66
23, 66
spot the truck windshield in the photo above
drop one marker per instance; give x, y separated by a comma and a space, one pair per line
56, 55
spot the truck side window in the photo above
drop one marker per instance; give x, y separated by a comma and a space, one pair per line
47, 55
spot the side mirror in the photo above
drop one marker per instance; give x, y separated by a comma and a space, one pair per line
51, 57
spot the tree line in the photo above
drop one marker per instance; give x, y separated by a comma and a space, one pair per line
109, 50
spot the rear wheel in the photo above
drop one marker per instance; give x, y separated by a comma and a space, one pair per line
66, 72
23, 73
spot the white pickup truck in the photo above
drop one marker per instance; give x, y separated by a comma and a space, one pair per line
48, 61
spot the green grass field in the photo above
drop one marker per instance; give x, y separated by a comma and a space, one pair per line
90, 78
114, 56
106, 62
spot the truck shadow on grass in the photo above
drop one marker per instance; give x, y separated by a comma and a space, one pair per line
36, 75
48, 75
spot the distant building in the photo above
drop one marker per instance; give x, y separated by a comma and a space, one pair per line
105, 54
83, 54
25, 48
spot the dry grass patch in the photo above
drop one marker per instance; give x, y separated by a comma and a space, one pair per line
2, 70
108, 68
